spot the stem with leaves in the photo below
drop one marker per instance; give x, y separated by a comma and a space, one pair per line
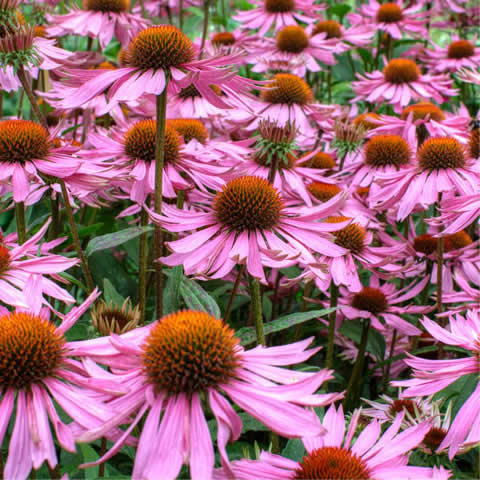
161, 107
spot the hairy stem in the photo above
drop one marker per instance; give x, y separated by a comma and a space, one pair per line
354, 385
142, 267
161, 105
332, 318
256, 307
21, 224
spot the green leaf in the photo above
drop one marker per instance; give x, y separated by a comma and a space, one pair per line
340, 10
247, 335
111, 240
171, 294
294, 450
110, 294
352, 329
89, 455
197, 298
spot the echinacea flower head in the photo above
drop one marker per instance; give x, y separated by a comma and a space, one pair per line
109, 318
278, 14
391, 18
248, 223
400, 82
27, 150
190, 359
38, 377
431, 376
99, 19
442, 165
337, 456
154, 56
460, 53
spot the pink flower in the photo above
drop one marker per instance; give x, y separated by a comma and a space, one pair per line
441, 166
39, 376
458, 54
246, 223
400, 82
459, 212
431, 376
147, 64
28, 150
277, 14
391, 18
99, 20
371, 455
24, 273
211, 365
379, 303
294, 51
469, 76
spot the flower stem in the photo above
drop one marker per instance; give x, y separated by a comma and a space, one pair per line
31, 97
256, 306
354, 384
55, 226
329, 85
228, 310
142, 267
21, 224
331, 323
303, 308
76, 238
273, 169
206, 8
180, 15
389, 360
161, 106
103, 449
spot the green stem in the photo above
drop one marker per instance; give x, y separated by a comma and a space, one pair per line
256, 306
55, 226
329, 85
31, 97
228, 310
142, 267
205, 27
273, 169
331, 324
389, 361
103, 449
354, 385
275, 297
180, 14
76, 238
161, 110
303, 308
21, 224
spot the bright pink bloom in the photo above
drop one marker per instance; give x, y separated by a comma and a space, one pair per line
336, 455
24, 273
431, 376
459, 212
216, 367
146, 68
39, 374
247, 223
458, 54
99, 20
400, 82
391, 18
469, 76
271, 13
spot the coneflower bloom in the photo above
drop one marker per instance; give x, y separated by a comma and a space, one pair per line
133, 146
380, 303
190, 359
400, 82
459, 53
27, 150
344, 38
391, 18
21, 47
99, 19
421, 120
277, 14
287, 99
442, 165
247, 222
39, 376
24, 273
431, 376
153, 54
336, 455
296, 52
